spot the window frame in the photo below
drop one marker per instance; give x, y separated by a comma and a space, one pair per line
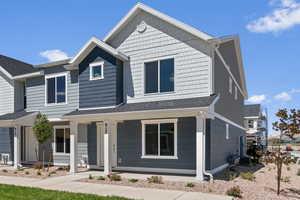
158, 122
55, 76
54, 140
158, 74
248, 122
96, 64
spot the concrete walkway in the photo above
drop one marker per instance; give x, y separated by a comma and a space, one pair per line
69, 183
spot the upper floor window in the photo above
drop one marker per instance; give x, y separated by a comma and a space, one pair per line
159, 76
56, 89
96, 70
230, 85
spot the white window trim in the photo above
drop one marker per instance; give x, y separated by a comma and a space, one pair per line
54, 140
227, 132
96, 64
235, 93
230, 85
46, 89
144, 122
158, 78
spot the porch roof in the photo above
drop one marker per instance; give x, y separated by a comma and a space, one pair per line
199, 102
11, 119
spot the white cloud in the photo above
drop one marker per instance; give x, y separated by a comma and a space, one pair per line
257, 98
283, 96
54, 55
286, 15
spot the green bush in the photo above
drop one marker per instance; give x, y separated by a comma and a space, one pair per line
232, 176
234, 192
114, 177
101, 178
248, 176
133, 180
155, 179
190, 185
298, 172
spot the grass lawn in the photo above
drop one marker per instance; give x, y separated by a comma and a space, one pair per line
9, 192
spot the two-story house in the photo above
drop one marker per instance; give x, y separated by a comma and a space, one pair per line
256, 124
155, 95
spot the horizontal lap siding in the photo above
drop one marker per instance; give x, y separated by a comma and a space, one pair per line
192, 63
6, 142
35, 88
129, 146
6, 95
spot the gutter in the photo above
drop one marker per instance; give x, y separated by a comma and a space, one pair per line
30, 75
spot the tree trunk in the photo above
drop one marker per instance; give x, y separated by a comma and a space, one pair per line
279, 168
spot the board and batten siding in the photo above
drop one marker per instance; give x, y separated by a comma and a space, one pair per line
6, 94
160, 40
36, 96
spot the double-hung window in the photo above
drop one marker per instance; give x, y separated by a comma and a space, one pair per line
61, 140
159, 139
56, 89
96, 70
159, 76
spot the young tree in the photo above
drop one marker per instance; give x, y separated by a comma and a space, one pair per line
42, 130
288, 125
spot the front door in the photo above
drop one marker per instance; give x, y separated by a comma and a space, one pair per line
31, 145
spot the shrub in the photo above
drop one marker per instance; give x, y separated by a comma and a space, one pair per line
248, 176
155, 179
15, 172
288, 168
27, 173
298, 172
101, 178
91, 176
232, 176
286, 179
38, 165
39, 173
234, 192
133, 180
190, 185
114, 177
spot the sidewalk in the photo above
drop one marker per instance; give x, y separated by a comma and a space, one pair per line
68, 183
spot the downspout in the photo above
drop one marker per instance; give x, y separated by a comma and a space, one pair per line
206, 173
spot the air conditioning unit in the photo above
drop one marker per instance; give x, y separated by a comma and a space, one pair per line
4, 158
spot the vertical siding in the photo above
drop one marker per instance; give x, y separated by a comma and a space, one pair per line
35, 88
6, 95
192, 61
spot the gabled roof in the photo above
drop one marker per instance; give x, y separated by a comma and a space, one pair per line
252, 110
141, 7
90, 45
12, 67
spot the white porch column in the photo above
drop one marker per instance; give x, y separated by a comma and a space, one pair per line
107, 152
73, 146
200, 131
17, 146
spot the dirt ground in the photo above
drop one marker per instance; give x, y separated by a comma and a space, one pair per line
262, 188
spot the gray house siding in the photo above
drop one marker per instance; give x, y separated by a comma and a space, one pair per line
160, 40
6, 94
92, 144
227, 105
19, 95
7, 142
220, 147
35, 90
104, 92
129, 146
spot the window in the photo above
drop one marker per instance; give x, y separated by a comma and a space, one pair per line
96, 70
235, 93
56, 89
159, 76
230, 85
62, 140
250, 123
159, 139
227, 131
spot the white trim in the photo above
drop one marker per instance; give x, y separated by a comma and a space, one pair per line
65, 74
141, 7
156, 170
230, 85
97, 108
218, 169
30, 75
228, 120
235, 93
227, 131
6, 72
54, 139
158, 122
252, 117
96, 64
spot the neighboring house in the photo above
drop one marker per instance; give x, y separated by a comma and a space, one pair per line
256, 124
156, 95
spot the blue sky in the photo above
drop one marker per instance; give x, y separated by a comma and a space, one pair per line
36, 31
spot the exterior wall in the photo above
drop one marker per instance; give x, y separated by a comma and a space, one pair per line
82, 143
36, 96
92, 144
7, 142
104, 92
227, 105
160, 39
129, 146
19, 96
6, 95
220, 147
